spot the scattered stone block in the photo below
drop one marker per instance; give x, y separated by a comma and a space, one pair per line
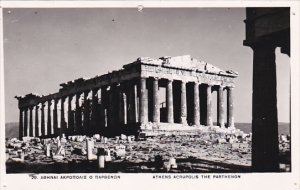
221, 141
123, 137
58, 157
97, 137
120, 151
172, 162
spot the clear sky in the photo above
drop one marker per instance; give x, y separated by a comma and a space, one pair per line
46, 47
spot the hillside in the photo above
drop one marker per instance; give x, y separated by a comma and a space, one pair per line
12, 129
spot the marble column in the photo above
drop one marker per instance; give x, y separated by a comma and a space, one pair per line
183, 116
132, 104
43, 131
86, 112
125, 99
63, 126
78, 119
170, 109
55, 122
70, 115
37, 122
143, 101
110, 108
94, 110
49, 131
21, 124
30, 122
25, 122
209, 118
230, 118
265, 151
156, 107
196, 104
102, 109
122, 106
221, 107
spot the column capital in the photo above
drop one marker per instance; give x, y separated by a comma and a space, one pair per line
222, 87
230, 87
156, 78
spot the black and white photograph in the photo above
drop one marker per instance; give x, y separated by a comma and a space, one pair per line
171, 92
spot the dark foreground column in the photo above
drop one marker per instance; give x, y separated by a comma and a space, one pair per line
221, 106
196, 105
156, 108
170, 109
264, 111
209, 119
143, 101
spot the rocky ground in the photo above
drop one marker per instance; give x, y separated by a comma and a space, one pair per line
213, 150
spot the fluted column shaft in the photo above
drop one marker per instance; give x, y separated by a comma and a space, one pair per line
156, 107
86, 112
221, 107
30, 122
43, 131
25, 122
70, 115
196, 105
183, 116
78, 119
55, 122
49, 118
209, 119
63, 126
21, 124
230, 118
37, 122
143, 101
170, 108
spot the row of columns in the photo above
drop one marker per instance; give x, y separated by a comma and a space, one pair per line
118, 105
183, 107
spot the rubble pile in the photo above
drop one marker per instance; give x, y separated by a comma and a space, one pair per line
213, 150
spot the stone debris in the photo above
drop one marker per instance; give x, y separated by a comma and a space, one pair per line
163, 153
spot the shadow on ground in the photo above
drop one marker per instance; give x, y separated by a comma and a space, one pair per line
187, 165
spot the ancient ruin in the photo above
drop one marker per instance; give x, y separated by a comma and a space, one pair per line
127, 101
266, 29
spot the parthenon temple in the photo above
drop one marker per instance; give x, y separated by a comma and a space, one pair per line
147, 94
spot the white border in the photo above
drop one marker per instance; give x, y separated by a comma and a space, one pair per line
284, 181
